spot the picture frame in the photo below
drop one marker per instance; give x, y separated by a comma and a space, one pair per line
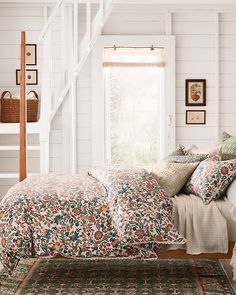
195, 117
195, 92
31, 77
31, 54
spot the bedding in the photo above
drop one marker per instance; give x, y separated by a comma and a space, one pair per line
211, 179
173, 176
112, 212
207, 229
231, 196
181, 155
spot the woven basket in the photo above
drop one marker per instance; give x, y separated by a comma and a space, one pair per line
10, 108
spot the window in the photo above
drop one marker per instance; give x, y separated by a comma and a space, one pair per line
133, 99
133, 91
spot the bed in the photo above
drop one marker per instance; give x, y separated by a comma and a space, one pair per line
108, 213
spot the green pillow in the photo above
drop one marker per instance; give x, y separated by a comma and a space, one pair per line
227, 143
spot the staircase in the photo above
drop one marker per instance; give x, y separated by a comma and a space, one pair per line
59, 94
73, 55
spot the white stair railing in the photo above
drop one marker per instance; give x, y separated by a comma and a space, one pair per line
68, 70
84, 48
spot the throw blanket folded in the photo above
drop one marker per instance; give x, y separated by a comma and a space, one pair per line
113, 212
204, 227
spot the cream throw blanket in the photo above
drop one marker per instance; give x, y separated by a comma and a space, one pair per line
202, 225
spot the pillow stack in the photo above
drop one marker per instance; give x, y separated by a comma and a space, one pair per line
206, 173
174, 171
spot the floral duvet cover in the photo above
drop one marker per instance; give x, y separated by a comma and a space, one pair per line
110, 212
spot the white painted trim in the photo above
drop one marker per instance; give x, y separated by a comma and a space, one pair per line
13, 128
88, 18
50, 19
168, 23
13, 175
76, 24
45, 99
73, 129
217, 74
98, 100
82, 60
173, 2
16, 147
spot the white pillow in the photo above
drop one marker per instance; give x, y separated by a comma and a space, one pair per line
231, 195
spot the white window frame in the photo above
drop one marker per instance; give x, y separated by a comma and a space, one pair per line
167, 120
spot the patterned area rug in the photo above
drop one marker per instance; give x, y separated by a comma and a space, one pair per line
116, 276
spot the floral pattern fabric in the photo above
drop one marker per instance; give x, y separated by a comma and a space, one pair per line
211, 179
114, 212
182, 155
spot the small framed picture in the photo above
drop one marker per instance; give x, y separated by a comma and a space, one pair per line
196, 117
31, 77
195, 92
31, 54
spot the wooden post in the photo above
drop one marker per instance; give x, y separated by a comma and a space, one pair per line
22, 175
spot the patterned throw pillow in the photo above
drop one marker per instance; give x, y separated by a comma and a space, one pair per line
211, 179
173, 176
181, 155
227, 143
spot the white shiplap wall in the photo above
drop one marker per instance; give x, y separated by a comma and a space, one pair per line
196, 54
12, 20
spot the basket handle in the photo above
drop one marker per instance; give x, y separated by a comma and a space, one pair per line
34, 92
4, 93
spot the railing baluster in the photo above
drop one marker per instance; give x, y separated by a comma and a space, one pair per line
46, 95
88, 10
74, 93
63, 44
50, 20
76, 25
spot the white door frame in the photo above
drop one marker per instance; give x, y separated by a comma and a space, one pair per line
167, 129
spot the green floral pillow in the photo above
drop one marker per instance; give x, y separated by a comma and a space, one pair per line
227, 143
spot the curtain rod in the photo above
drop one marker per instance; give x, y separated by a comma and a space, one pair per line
134, 47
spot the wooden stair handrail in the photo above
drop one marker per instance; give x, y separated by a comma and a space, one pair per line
22, 163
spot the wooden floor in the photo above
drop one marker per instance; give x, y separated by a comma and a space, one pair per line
229, 271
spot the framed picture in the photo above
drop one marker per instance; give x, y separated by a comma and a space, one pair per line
195, 92
31, 54
31, 77
196, 117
